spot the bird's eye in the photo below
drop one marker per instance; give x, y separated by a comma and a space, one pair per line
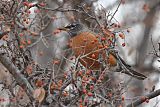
71, 26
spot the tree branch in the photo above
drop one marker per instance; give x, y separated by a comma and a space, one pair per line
3, 33
20, 79
148, 96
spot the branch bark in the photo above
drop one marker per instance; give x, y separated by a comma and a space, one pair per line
20, 79
148, 96
3, 33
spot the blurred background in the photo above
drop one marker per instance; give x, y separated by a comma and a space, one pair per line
139, 21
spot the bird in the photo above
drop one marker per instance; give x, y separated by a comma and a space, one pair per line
91, 52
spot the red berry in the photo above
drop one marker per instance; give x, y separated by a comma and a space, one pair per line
91, 87
30, 5
122, 98
26, 4
80, 73
115, 25
123, 44
29, 42
29, 12
20, 34
93, 78
103, 39
122, 35
21, 46
56, 62
143, 98
93, 55
80, 105
80, 101
42, 4
119, 25
84, 91
147, 100
88, 72
90, 94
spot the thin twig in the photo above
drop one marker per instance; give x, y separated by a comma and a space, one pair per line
148, 96
115, 11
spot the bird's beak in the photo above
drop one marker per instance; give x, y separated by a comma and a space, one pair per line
64, 29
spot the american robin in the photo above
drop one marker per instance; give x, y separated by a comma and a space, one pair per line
92, 54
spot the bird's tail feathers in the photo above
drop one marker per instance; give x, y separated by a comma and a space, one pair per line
127, 69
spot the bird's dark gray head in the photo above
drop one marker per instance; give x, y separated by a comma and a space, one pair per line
73, 29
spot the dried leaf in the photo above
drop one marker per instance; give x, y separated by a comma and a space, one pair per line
29, 69
39, 94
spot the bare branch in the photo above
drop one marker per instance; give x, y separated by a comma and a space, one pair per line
148, 96
3, 33
21, 80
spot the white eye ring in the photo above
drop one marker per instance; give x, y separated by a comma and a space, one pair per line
72, 28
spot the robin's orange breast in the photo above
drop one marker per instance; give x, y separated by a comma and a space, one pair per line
87, 47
